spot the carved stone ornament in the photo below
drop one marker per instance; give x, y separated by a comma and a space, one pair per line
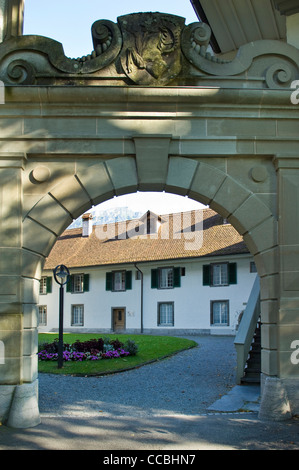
148, 49
107, 45
152, 47
274, 61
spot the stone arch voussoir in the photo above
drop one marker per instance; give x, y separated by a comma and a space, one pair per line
97, 181
243, 209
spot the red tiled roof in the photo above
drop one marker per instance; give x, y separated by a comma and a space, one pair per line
119, 243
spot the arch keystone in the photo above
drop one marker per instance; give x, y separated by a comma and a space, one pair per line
152, 161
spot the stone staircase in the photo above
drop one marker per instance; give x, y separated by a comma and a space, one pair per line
252, 368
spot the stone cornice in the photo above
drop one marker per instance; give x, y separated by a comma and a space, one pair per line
102, 95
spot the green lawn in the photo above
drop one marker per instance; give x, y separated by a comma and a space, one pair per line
150, 348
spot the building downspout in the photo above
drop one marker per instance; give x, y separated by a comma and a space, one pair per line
141, 299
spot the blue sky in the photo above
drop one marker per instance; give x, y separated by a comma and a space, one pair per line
69, 22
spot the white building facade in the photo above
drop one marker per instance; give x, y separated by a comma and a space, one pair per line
203, 294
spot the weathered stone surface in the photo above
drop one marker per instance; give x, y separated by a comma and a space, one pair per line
152, 154
146, 49
6, 395
180, 174
24, 411
275, 403
224, 133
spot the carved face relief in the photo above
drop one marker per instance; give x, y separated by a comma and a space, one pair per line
151, 47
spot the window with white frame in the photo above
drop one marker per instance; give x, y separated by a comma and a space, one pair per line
119, 280
77, 317
165, 314
220, 312
42, 315
78, 283
45, 285
220, 274
165, 278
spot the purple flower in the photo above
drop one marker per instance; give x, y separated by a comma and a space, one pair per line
73, 355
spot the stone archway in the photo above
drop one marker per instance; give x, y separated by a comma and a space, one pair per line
58, 187
65, 148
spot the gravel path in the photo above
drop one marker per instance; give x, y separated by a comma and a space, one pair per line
187, 384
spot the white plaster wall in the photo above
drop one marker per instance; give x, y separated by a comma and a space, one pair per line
191, 300
98, 303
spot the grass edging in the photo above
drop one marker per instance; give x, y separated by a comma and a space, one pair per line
148, 345
99, 374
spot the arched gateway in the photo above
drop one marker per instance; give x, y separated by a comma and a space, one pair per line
149, 109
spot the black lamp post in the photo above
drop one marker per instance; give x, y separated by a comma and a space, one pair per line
61, 275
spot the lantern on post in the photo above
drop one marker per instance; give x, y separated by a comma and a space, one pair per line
61, 275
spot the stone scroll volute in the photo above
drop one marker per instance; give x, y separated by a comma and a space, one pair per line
148, 49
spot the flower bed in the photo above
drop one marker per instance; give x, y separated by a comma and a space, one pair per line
92, 350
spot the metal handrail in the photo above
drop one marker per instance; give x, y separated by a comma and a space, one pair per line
247, 328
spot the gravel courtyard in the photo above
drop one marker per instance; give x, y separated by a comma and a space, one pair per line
186, 383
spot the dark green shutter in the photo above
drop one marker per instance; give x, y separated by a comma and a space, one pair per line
128, 280
69, 284
109, 281
49, 285
154, 279
86, 283
206, 275
232, 273
176, 277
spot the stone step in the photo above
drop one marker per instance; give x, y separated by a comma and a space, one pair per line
251, 380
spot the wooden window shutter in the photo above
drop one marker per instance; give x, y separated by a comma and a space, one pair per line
206, 275
109, 281
86, 283
49, 285
232, 273
69, 284
128, 280
176, 277
154, 279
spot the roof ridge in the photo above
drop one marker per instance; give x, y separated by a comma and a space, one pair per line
204, 209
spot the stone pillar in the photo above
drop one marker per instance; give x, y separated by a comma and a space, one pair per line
18, 365
11, 18
286, 334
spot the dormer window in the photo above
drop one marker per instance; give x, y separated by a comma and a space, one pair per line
150, 223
